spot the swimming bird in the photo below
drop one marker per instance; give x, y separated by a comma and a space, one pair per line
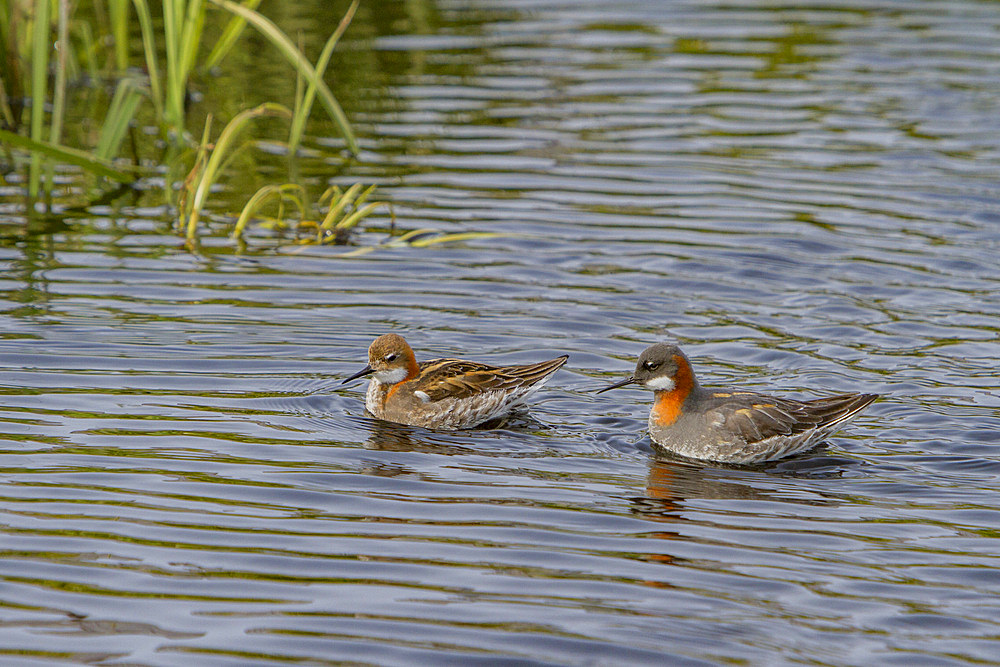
444, 393
729, 425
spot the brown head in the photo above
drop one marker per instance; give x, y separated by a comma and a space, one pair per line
390, 359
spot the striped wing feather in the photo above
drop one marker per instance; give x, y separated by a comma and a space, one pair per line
756, 417
455, 378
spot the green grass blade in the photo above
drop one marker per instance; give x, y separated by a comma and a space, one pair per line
120, 114
184, 197
302, 111
364, 196
358, 215
287, 192
118, 13
87, 49
219, 153
337, 206
333, 193
59, 84
39, 80
421, 238
59, 88
410, 236
149, 49
194, 22
230, 34
452, 238
11, 83
67, 155
298, 111
285, 46
176, 84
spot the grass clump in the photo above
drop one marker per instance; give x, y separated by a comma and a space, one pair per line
345, 209
35, 77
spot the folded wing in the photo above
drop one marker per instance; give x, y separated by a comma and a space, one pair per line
456, 379
755, 417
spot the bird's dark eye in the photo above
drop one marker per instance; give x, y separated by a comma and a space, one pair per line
391, 356
651, 365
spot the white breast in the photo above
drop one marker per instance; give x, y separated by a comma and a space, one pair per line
373, 398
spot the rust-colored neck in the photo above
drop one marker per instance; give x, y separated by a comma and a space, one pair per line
412, 371
667, 405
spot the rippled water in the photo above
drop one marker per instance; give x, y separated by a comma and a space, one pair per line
805, 197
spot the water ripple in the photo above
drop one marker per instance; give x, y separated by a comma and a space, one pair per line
804, 197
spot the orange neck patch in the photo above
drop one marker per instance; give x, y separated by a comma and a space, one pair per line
412, 371
667, 405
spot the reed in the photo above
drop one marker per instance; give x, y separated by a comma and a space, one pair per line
67, 155
149, 53
208, 170
39, 84
345, 210
304, 106
287, 192
171, 58
287, 48
29, 33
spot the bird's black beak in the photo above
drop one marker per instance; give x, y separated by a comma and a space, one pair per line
628, 380
367, 370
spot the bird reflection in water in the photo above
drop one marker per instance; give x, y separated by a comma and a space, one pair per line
391, 437
672, 484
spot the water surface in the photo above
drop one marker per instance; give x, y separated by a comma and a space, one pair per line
805, 198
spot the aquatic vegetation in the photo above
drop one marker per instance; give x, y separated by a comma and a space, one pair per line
345, 209
44, 51
211, 161
313, 75
422, 238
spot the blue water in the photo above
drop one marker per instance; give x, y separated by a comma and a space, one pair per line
804, 197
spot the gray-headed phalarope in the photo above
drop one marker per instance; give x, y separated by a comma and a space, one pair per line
731, 426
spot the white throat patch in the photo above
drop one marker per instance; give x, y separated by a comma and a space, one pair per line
661, 383
391, 376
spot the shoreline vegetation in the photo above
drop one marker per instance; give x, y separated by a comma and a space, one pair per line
144, 138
